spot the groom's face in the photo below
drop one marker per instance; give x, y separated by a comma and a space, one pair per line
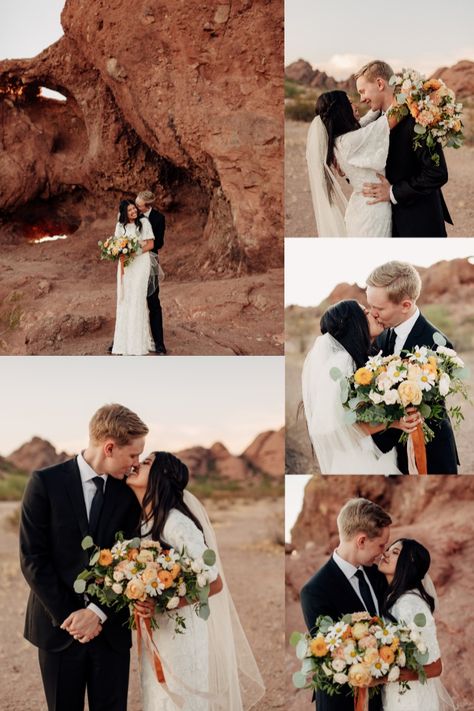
386, 312
120, 460
371, 92
369, 550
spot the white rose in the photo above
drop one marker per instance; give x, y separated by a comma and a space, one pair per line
340, 678
197, 565
202, 580
117, 588
394, 673
339, 665
421, 646
118, 575
172, 603
391, 397
182, 589
375, 397
444, 383
401, 658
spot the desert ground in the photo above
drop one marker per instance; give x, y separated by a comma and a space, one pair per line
299, 218
250, 537
299, 456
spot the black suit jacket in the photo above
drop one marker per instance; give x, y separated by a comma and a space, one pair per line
53, 524
157, 221
416, 182
329, 592
441, 452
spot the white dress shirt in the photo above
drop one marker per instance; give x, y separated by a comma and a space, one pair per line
350, 571
402, 331
89, 489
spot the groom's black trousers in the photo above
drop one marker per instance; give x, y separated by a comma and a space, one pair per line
156, 318
94, 666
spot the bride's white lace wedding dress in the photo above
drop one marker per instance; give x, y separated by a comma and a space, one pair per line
132, 322
339, 447
431, 696
360, 155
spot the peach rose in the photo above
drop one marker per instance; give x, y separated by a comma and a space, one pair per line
145, 556
149, 574
135, 590
166, 578
359, 675
387, 655
371, 655
359, 630
410, 393
132, 553
105, 557
367, 642
175, 570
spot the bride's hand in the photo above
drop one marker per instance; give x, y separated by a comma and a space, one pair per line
409, 422
145, 609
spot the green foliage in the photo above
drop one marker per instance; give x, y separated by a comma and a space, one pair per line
12, 484
300, 109
292, 89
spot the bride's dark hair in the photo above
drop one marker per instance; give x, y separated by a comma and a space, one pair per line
335, 111
413, 564
166, 483
347, 323
123, 217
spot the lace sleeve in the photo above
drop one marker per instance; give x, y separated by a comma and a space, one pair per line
119, 230
180, 531
405, 610
146, 232
368, 146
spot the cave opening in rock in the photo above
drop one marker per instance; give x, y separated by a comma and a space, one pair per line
51, 94
45, 221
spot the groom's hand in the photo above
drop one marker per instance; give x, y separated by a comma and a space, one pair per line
145, 608
83, 625
380, 192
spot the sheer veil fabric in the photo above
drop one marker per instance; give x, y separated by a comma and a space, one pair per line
234, 677
329, 202
340, 448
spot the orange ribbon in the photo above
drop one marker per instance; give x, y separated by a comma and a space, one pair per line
361, 699
122, 264
419, 449
159, 673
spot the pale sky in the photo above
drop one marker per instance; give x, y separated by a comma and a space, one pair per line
339, 36
314, 266
184, 401
294, 493
29, 26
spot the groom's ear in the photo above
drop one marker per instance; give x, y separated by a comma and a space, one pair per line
108, 447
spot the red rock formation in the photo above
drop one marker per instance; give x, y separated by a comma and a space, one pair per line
302, 72
266, 453
459, 78
182, 97
36, 454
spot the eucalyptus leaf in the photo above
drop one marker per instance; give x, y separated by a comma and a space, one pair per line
425, 410
299, 680
353, 402
209, 557
295, 638
335, 373
420, 619
462, 373
439, 339
80, 586
421, 130
87, 542
421, 658
324, 623
401, 98
350, 418
344, 390
302, 649
135, 543
204, 612
94, 557
308, 665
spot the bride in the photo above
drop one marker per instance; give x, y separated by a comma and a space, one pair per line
132, 325
405, 565
348, 332
338, 142
211, 666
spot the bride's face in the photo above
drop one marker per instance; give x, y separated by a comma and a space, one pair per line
132, 213
389, 560
375, 327
138, 478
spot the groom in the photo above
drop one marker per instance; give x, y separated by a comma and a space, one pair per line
392, 293
413, 181
350, 580
81, 645
144, 202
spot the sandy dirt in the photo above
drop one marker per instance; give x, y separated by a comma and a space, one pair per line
299, 218
299, 458
247, 534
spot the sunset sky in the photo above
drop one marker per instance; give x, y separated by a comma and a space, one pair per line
313, 267
184, 401
342, 35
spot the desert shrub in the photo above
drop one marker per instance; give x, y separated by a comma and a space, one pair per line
300, 109
292, 89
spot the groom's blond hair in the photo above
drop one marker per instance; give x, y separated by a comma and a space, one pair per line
400, 279
375, 69
118, 423
361, 516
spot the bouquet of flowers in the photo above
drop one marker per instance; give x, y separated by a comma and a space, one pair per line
356, 650
134, 570
380, 391
120, 248
433, 106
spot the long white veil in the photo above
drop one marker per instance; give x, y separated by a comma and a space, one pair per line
329, 202
234, 679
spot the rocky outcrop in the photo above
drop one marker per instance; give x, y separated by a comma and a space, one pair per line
266, 453
302, 72
459, 78
36, 454
183, 98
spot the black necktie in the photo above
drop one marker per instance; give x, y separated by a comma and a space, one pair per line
96, 506
365, 592
392, 337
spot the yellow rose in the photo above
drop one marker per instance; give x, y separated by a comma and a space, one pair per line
135, 590
410, 393
318, 647
363, 376
457, 125
105, 557
387, 655
359, 630
371, 655
359, 675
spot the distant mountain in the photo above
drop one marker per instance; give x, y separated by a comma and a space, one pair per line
36, 454
459, 78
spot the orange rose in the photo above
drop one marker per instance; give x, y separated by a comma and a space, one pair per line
105, 557
359, 675
166, 578
132, 553
387, 655
432, 84
175, 570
